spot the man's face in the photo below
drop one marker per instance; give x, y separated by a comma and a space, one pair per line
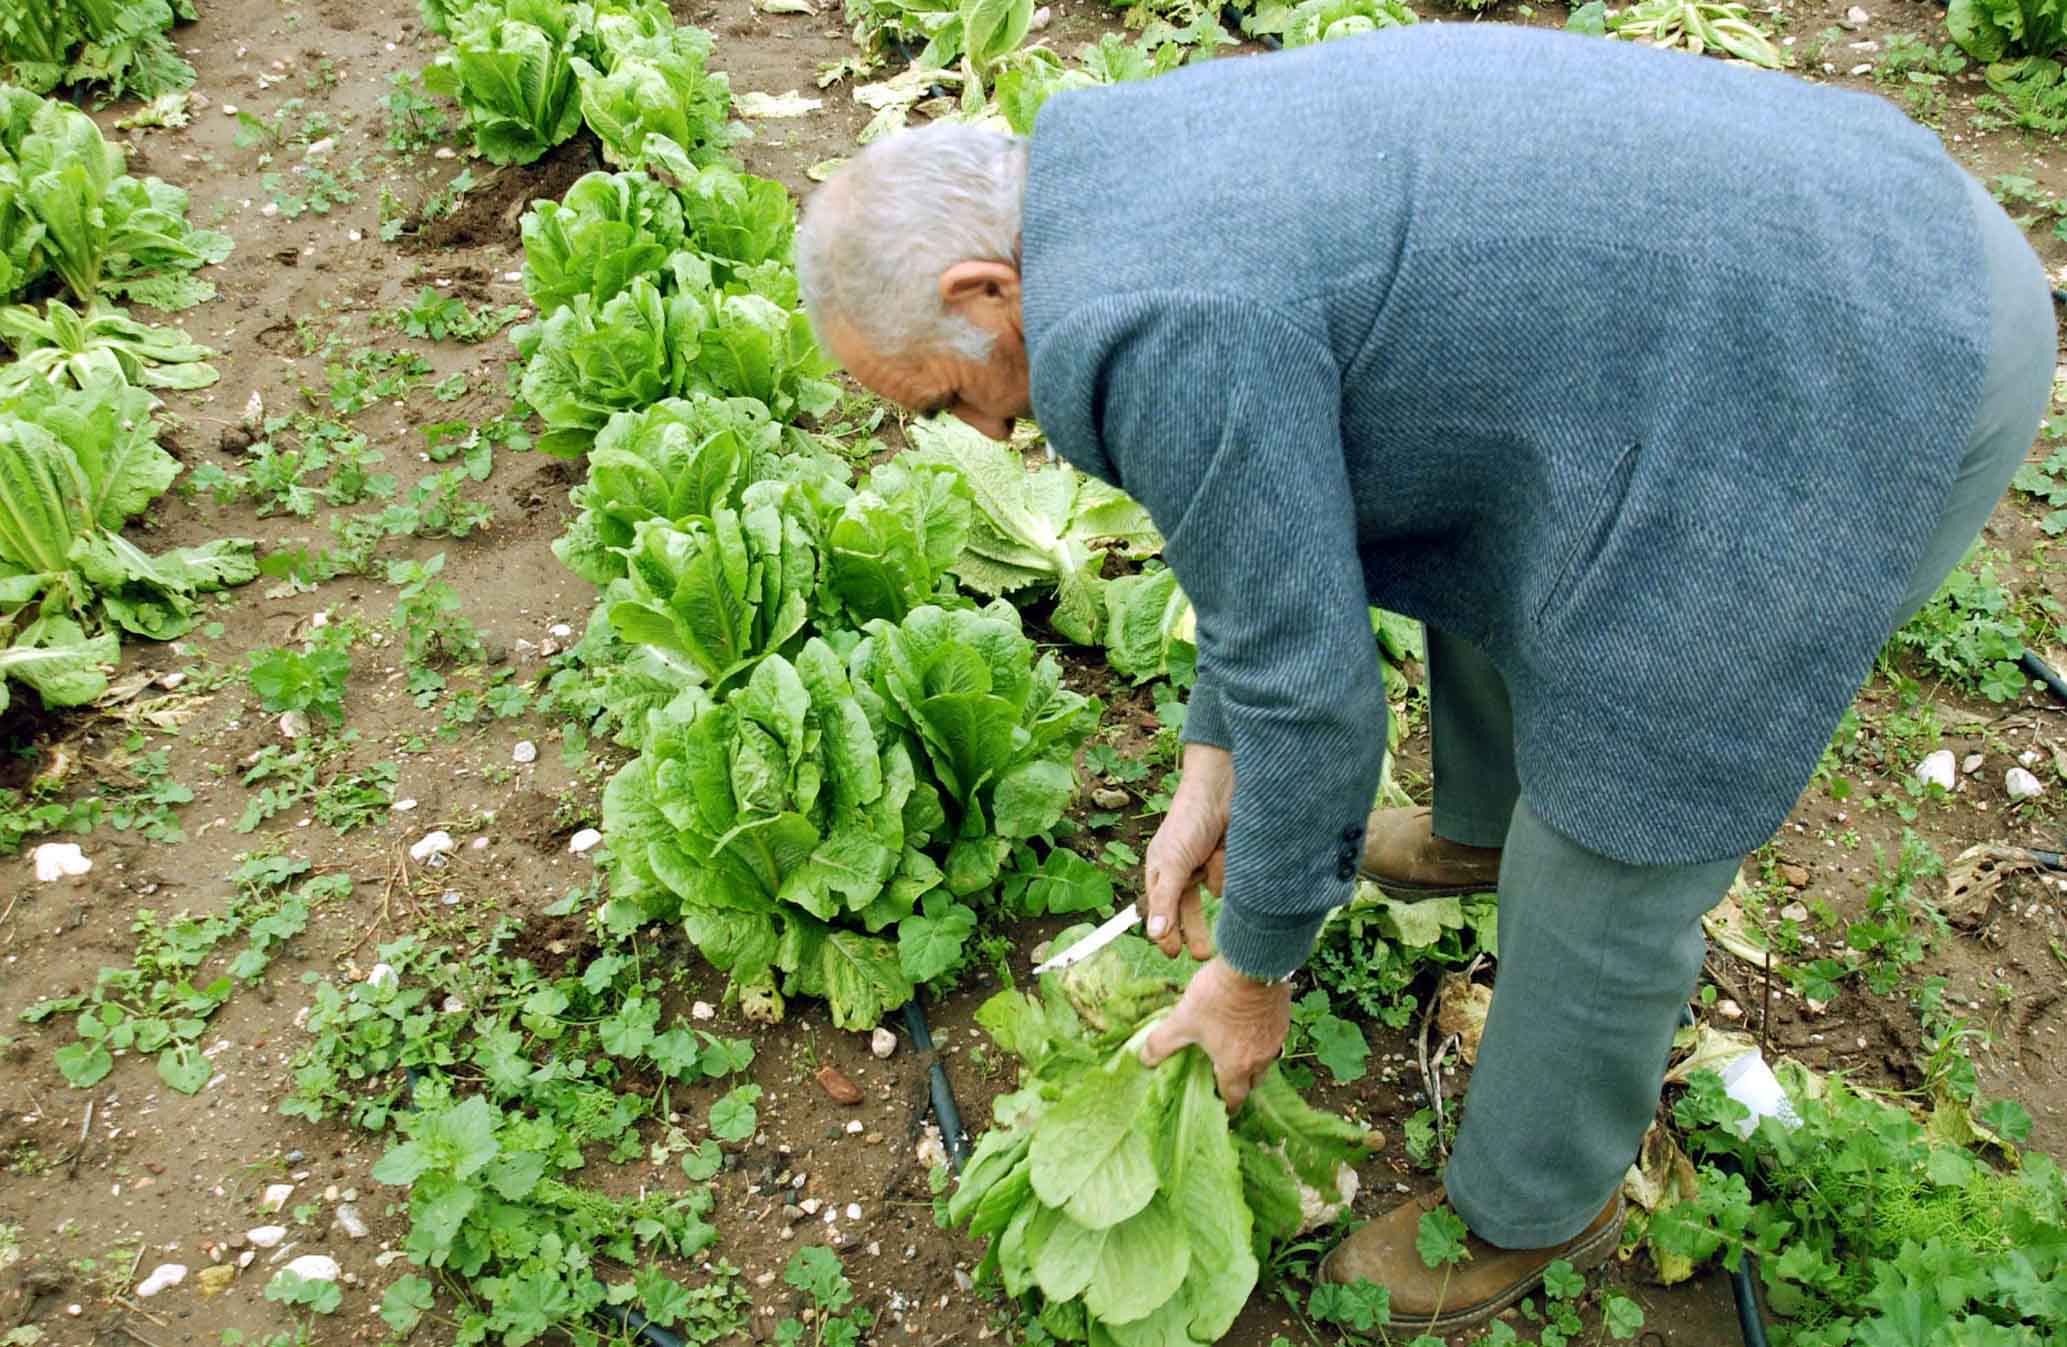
987, 394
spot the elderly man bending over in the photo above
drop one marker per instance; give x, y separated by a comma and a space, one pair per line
1661, 416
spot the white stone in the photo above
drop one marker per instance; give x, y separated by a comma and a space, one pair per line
275, 1196
809, 1206
59, 860
702, 1010
1970, 764
882, 1042
525, 751
430, 845
403, 806
351, 1222
853, 1211
854, 1127
1794, 912
1863, 68
2021, 784
318, 148
266, 1236
585, 840
315, 1267
244, 1259
381, 975
162, 1276
560, 629
1856, 18
1936, 769
2028, 757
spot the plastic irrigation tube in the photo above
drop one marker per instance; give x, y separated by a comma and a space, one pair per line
943, 1094
2043, 672
1742, 1289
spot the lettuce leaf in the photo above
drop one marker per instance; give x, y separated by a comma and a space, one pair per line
59, 661
607, 231
655, 88
1048, 528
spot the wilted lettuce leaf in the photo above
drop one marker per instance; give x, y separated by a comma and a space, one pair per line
1041, 528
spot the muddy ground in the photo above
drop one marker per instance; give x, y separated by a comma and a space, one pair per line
150, 1176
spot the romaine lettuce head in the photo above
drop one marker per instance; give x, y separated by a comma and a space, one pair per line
607, 231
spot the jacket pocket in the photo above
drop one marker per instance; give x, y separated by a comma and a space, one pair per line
1589, 542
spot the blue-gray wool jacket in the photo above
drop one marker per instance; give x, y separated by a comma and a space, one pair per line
1644, 373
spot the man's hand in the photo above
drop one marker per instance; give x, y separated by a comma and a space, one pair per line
1240, 1023
1189, 850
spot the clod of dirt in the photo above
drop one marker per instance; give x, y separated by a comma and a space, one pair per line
1461, 1007
213, 1281
836, 1085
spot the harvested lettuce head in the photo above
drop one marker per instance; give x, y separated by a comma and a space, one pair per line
1120, 1201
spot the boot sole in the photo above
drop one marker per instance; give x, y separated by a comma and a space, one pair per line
1409, 889
1590, 1253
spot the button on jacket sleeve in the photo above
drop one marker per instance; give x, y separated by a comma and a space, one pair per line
1220, 416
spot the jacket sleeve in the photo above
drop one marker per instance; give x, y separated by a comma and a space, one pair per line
1222, 418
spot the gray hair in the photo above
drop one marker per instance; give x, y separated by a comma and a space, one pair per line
874, 240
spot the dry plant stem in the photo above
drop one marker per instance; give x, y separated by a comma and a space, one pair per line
134, 1308
1430, 1084
1765, 1014
136, 1335
10, 909
79, 1151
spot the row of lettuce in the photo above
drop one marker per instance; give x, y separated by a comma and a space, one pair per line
841, 750
79, 450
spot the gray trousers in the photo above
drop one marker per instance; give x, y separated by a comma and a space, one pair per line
1597, 957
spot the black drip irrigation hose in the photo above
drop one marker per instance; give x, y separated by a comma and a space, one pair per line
943, 1094
2043, 672
1742, 1287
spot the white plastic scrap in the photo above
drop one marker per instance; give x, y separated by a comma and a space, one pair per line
430, 845
162, 1276
59, 860
1937, 769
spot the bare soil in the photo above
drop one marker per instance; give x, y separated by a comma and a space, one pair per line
151, 1176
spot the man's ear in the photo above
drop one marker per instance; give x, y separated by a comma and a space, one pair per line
980, 289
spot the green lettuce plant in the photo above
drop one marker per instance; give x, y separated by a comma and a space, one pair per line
656, 88
120, 45
1995, 30
511, 66
784, 827
74, 465
1120, 1202
609, 230
61, 346
1048, 528
66, 207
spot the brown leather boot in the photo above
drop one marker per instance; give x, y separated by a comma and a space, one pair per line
1444, 1300
1403, 855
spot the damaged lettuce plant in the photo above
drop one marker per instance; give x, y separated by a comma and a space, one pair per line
1047, 528
1122, 1205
